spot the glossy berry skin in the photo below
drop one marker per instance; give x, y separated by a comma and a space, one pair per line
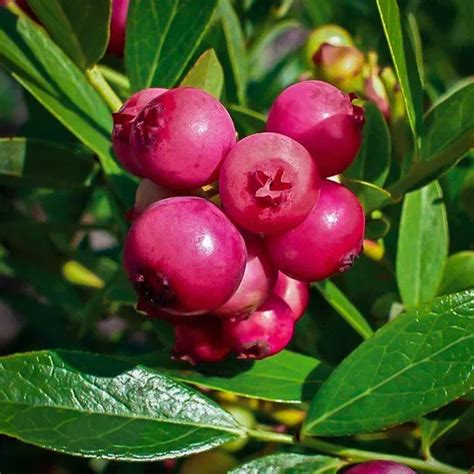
265, 332
293, 292
118, 23
323, 120
181, 138
327, 242
257, 282
200, 339
268, 183
380, 467
184, 256
123, 120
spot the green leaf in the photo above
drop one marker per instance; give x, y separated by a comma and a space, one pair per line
162, 36
449, 128
33, 162
372, 163
96, 406
372, 197
422, 245
458, 273
377, 226
410, 83
415, 364
54, 80
81, 29
448, 136
336, 298
235, 58
436, 425
122, 292
206, 74
289, 463
246, 120
286, 377
415, 38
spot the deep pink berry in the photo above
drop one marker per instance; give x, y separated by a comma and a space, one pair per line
201, 339
183, 255
321, 118
123, 120
257, 282
268, 183
293, 292
380, 467
326, 242
181, 138
265, 332
118, 23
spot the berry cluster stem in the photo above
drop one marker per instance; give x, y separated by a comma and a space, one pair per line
352, 454
97, 81
357, 455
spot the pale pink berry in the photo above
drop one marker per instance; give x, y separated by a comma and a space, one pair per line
181, 137
184, 256
265, 332
293, 292
321, 118
123, 120
257, 282
268, 183
326, 242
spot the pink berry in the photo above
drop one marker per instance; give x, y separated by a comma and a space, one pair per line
380, 467
265, 332
118, 23
268, 183
327, 242
147, 193
184, 256
257, 282
323, 120
201, 340
123, 120
181, 137
293, 292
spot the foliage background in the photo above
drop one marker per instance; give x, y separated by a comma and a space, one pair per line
63, 200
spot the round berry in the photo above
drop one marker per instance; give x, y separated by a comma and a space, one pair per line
118, 22
257, 282
147, 193
268, 183
293, 292
331, 34
123, 120
200, 339
326, 242
321, 118
181, 137
380, 467
265, 332
184, 256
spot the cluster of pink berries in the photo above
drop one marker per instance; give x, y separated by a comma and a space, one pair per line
231, 273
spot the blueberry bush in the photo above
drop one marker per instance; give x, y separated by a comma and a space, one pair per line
236, 236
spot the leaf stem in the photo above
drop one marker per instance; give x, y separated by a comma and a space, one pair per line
97, 80
271, 436
115, 78
358, 455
